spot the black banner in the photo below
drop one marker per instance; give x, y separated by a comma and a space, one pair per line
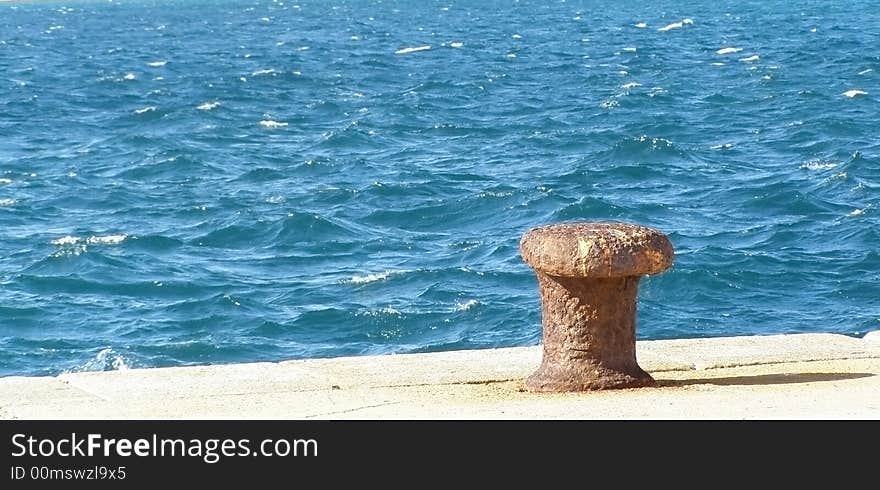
40, 454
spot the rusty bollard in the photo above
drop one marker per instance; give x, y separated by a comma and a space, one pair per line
588, 276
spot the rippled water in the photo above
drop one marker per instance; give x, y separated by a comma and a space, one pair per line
201, 182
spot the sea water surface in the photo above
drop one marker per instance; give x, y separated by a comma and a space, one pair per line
191, 182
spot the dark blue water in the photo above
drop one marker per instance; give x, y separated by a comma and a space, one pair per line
189, 182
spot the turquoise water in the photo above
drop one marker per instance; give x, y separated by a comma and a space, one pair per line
187, 182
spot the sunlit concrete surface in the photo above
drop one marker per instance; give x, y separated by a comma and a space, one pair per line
761, 377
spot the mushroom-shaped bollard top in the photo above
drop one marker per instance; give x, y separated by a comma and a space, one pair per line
600, 250
588, 275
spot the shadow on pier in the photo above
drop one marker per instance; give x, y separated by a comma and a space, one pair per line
766, 379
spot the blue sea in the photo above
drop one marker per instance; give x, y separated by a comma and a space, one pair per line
197, 182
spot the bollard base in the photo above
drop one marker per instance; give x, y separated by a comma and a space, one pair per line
586, 376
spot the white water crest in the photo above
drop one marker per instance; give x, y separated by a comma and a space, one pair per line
467, 305
270, 124
70, 240
207, 106
374, 277
412, 50
676, 25
105, 360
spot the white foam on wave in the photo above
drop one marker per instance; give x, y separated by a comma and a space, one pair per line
5, 181
728, 50
275, 199
669, 27
853, 93
368, 278
145, 110
865, 72
270, 124
640, 25
511, 55
609, 103
412, 50
268, 71
723, 146
106, 239
516, 36
73, 246
627, 86
818, 165
388, 310
157, 64
750, 59
466, 305
65, 240
105, 360
857, 212
456, 45
718, 63
129, 76
68, 240
207, 106
6, 202
629, 49
676, 25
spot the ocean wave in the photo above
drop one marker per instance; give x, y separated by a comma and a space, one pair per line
467, 305
105, 360
208, 106
858, 212
676, 25
386, 311
412, 50
818, 165
70, 245
92, 240
374, 277
270, 124
854, 93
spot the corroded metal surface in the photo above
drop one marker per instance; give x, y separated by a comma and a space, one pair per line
596, 250
588, 276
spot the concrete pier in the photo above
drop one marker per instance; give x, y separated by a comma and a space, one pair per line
763, 377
